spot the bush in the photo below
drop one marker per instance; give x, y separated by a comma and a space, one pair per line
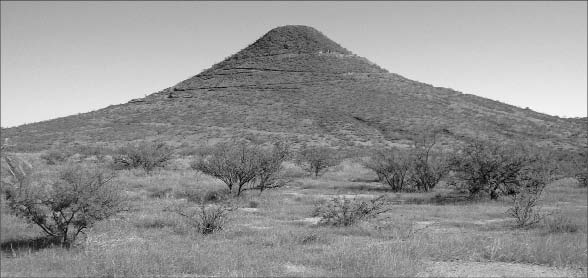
524, 209
244, 167
571, 163
146, 155
392, 167
529, 183
56, 156
342, 211
205, 219
203, 196
417, 168
428, 167
270, 166
559, 223
483, 167
65, 205
316, 160
426, 172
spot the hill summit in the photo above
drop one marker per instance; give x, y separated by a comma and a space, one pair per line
295, 84
293, 53
292, 39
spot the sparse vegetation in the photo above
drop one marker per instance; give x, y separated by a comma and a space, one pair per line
151, 240
525, 210
205, 219
529, 184
56, 156
145, 155
414, 169
244, 167
96, 151
428, 166
342, 211
270, 166
560, 223
67, 205
273, 97
316, 160
581, 169
484, 167
392, 167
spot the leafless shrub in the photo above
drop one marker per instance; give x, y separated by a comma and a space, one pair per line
342, 211
204, 219
392, 167
416, 168
65, 205
145, 155
203, 196
316, 160
244, 167
524, 209
426, 173
529, 185
270, 166
427, 167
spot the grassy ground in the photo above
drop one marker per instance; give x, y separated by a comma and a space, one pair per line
276, 237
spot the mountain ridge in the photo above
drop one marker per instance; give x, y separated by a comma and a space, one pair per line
296, 84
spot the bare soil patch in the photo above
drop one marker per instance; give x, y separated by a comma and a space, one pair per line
494, 269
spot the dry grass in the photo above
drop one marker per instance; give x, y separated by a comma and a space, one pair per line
273, 238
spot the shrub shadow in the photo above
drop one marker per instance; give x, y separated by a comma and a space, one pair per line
445, 199
29, 244
375, 187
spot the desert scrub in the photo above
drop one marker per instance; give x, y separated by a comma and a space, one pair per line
316, 160
203, 195
66, 203
529, 183
146, 155
342, 211
354, 259
244, 166
204, 219
56, 156
392, 167
483, 167
559, 223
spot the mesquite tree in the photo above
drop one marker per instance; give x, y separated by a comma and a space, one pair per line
428, 166
65, 203
316, 160
244, 167
485, 167
391, 166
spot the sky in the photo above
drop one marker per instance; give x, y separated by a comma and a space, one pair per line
63, 58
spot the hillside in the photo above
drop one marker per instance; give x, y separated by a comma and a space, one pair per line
295, 84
